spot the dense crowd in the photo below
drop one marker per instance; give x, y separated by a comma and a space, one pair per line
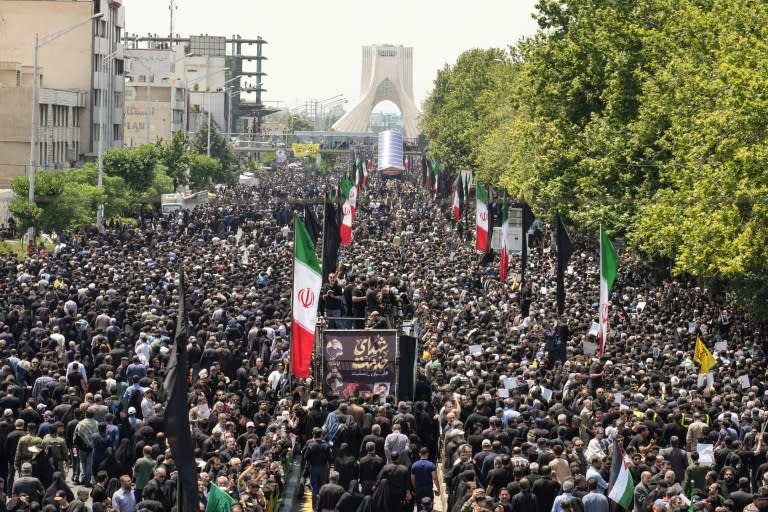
526, 422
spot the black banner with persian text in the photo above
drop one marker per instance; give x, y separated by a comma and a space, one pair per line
356, 362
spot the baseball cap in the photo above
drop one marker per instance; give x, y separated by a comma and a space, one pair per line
41, 407
250, 424
131, 410
7, 412
34, 449
486, 442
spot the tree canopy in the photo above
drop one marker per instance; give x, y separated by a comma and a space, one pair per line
648, 117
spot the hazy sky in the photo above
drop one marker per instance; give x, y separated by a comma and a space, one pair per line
315, 48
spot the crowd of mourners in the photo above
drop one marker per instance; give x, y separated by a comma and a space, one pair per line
527, 422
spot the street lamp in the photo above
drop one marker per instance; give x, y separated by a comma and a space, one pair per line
229, 114
42, 41
102, 133
209, 103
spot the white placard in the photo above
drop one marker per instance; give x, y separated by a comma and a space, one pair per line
543, 290
721, 346
475, 350
700, 380
594, 329
569, 270
510, 383
744, 381
546, 394
618, 398
691, 327
640, 307
710, 379
503, 392
705, 453
588, 348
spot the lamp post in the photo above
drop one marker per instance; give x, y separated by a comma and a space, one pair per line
209, 110
205, 77
102, 121
230, 90
42, 41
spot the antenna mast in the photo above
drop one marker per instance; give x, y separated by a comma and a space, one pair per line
173, 8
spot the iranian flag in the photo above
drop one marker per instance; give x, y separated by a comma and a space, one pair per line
307, 280
504, 262
609, 265
481, 217
622, 484
347, 188
458, 193
435, 175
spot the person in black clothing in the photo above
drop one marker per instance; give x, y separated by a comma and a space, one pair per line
346, 465
317, 457
381, 499
11, 441
330, 494
525, 500
375, 438
351, 499
370, 466
358, 305
545, 489
399, 481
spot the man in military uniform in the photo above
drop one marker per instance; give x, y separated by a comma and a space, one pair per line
56, 444
22, 449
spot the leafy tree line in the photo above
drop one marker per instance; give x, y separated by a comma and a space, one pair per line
649, 117
132, 177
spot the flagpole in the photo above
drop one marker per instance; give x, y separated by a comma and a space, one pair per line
601, 332
293, 316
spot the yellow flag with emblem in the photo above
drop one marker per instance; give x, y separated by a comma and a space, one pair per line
703, 356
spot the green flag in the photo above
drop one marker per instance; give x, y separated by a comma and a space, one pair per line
218, 500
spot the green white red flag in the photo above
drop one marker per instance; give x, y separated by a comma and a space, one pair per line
609, 266
307, 280
481, 217
504, 262
347, 211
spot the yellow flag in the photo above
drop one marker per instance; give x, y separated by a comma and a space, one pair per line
703, 356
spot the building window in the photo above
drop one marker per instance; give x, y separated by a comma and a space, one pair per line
76, 117
115, 132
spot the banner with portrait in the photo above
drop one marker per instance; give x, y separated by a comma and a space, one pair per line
359, 361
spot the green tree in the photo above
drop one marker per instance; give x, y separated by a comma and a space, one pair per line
204, 171
230, 164
175, 158
298, 123
456, 115
68, 198
135, 165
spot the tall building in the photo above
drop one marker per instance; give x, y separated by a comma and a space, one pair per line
80, 81
209, 68
155, 95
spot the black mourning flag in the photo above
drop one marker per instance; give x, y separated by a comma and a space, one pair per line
311, 223
564, 251
331, 240
527, 223
406, 374
177, 412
